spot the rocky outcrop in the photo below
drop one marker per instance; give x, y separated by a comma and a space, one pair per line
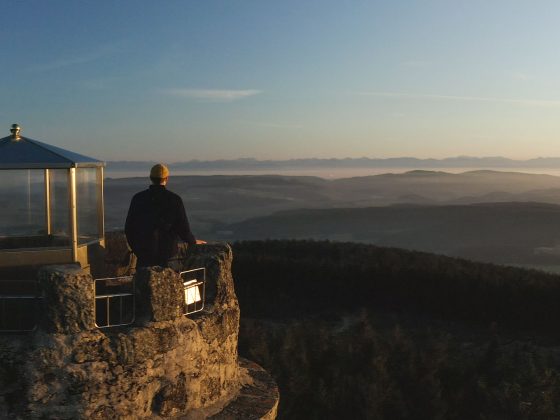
67, 295
164, 365
258, 398
117, 260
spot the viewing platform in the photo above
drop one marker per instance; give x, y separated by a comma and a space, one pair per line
163, 365
83, 334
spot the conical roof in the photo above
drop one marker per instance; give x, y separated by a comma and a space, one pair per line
18, 152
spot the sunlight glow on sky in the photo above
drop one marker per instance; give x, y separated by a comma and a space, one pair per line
181, 80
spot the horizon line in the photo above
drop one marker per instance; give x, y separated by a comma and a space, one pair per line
421, 159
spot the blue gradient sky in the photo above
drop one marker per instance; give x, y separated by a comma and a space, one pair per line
181, 80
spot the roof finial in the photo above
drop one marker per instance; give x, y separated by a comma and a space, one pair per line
15, 131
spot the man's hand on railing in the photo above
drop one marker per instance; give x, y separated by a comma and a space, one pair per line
200, 242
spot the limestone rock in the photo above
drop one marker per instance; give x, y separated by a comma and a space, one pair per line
68, 294
159, 294
118, 259
166, 365
170, 400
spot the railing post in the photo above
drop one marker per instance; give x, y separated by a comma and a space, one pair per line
100, 204
48, 223
73, 214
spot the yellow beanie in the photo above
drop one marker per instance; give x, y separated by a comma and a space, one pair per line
159, 171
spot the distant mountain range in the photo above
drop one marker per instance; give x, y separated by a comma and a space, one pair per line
311, 163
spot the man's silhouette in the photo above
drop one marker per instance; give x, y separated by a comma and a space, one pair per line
156, 220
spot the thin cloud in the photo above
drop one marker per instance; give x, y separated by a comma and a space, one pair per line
272, 124
212, 95
78, 59
525, 102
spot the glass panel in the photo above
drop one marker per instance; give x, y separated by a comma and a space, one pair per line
87, 192
59, 207
22, 208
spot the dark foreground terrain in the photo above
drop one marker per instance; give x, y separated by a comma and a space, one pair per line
358, 331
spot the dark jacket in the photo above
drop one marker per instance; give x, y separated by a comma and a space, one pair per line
156, 219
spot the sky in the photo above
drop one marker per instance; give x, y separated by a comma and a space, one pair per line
203, 79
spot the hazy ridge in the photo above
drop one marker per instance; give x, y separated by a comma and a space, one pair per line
509, 233
424, 210
397, 162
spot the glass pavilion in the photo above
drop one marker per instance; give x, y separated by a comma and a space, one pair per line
51, 203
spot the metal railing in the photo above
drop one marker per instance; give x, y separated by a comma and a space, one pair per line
114, 302
194, 283
18, 306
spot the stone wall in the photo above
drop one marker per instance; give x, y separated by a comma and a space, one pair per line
164, 365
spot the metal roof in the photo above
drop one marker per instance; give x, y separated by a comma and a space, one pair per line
25, 153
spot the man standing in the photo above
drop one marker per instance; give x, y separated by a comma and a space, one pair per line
156, 219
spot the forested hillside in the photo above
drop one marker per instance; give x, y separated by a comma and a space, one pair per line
368, 332
490, 232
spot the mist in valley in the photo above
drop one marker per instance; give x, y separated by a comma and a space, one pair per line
493, 216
